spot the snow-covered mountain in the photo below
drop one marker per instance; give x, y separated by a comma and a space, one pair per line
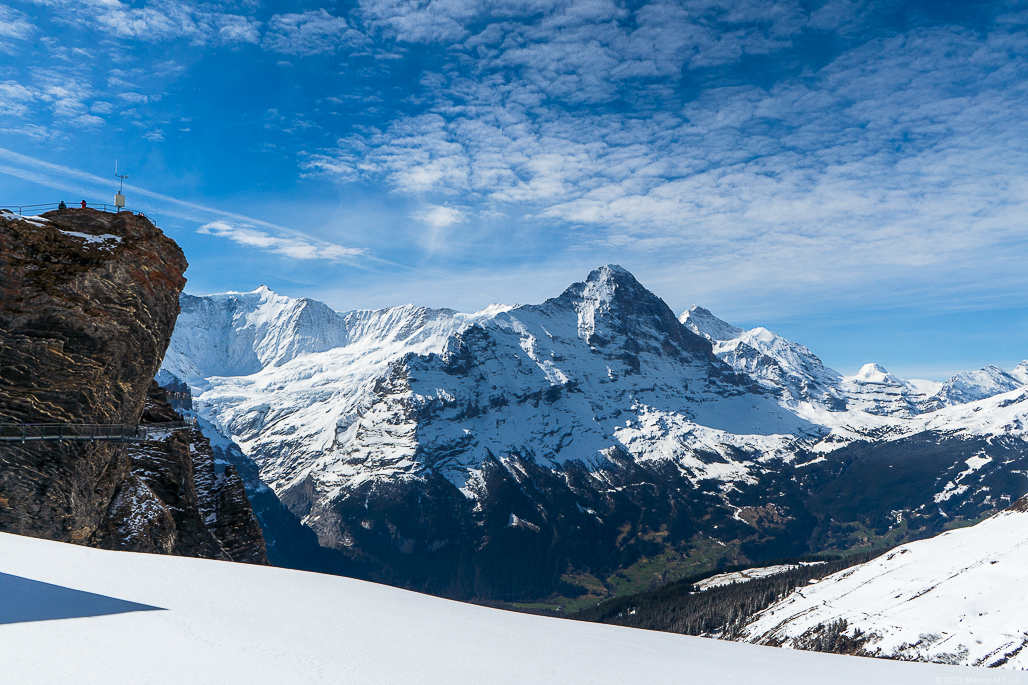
1020, 372
237, 334
969, 386
874, 390
180, 620
798, 377
437, 446
954, 599
787, 368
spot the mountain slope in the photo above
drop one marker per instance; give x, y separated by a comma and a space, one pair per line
951, 599
433, 440
969, 386
785, 367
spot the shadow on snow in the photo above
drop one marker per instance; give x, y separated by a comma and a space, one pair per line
23, 600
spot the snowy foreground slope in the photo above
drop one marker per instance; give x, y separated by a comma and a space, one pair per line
957, 598
198, 621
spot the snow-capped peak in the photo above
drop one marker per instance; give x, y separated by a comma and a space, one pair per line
969, 386
237, 334
787, 368
702, 322
613, 306
874, 373
605, 285
1020, 372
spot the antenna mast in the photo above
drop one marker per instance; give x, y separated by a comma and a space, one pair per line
119, 199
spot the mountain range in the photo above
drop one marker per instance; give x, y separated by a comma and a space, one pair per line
590, 445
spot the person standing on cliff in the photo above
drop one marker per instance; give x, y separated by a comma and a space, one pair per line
62, 205
83, 204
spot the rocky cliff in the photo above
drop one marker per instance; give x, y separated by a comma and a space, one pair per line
88, 302
177, 500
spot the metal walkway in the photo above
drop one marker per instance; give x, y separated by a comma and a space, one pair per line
111, 432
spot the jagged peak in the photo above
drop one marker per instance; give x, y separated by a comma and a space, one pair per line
611, 302
702, 322
608, 270
607, 284
968, 386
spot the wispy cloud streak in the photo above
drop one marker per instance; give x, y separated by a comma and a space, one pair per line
238, 228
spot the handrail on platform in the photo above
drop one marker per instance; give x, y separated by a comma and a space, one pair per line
111, 432
34, 210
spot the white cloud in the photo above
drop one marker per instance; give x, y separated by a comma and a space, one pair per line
440, 216
416, 154
291, 246
901, 159
309, 33
159, 20
421, 22
14, 26
31, 131
16, 98
234, 29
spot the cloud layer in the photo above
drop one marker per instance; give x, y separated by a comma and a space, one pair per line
901, 153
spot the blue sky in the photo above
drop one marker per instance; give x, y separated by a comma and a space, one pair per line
852, 174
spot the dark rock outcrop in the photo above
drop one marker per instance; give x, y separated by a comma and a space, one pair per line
88, 302
174, 478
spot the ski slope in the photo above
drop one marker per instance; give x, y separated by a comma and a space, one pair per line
199, 621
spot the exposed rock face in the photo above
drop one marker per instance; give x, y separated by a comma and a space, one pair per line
177, 502
88, 302
85, 320
287, 542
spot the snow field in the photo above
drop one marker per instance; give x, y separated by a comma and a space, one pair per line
232, 623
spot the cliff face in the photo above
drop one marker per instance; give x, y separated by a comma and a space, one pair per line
88, 302
177, 500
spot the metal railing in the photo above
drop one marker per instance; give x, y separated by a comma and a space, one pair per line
111, 432
34, 210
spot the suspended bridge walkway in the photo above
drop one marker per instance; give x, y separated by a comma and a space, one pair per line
87, 432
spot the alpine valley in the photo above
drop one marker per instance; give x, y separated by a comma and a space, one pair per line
591, 445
